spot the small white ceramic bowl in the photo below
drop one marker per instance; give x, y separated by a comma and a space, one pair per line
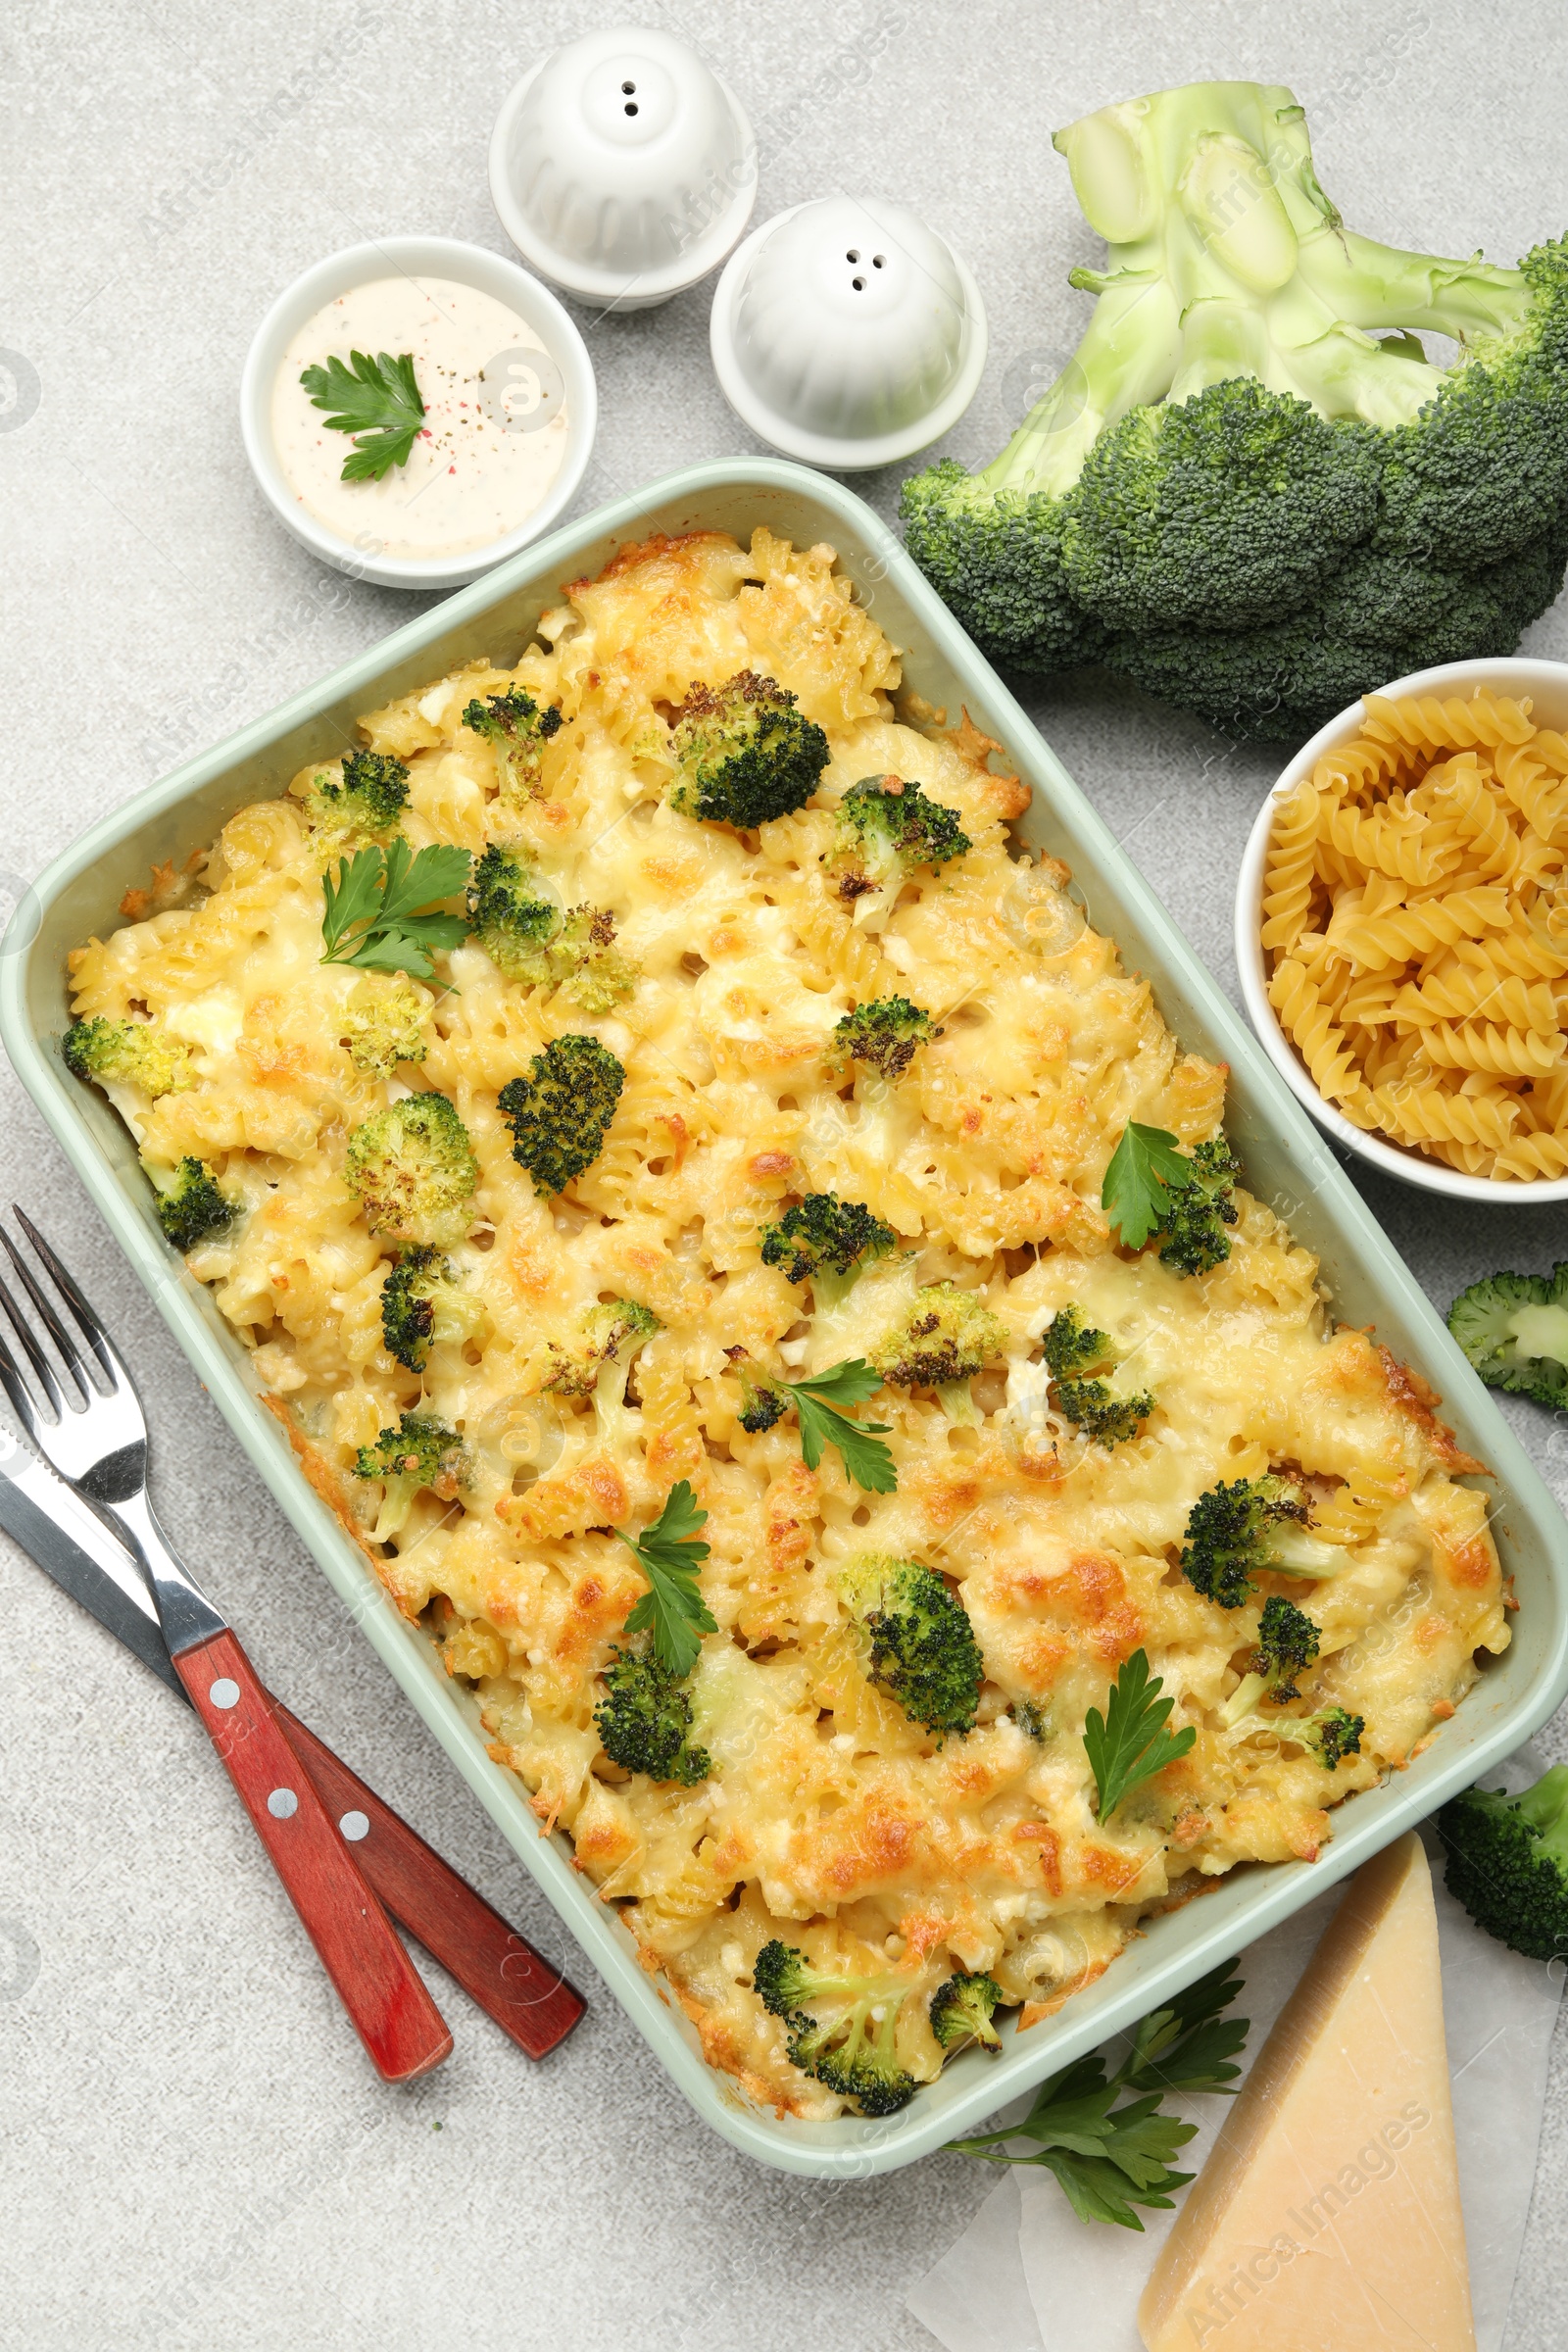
415, 257
1545, 683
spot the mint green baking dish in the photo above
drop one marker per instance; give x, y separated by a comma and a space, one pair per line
1286, 1163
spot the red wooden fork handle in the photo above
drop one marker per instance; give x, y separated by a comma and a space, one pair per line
376, 1982
529, 1999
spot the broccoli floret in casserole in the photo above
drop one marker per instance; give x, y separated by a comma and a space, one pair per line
828, 1243
424, 1305
512, 915
1514, 1330
1332, 1734
561, 1108
191, 1206
852, 2048
1249, 1528
1509, 1862
888, 829
420, 1452
1287, 1642
608, 1327
128, 1054
516, 729
362, 803
1199, 1212
885, 1035
413, 1166
947, 1336
645, 1722
1073, 1347
961, 2011
385, 1019
745, 753
923, 1651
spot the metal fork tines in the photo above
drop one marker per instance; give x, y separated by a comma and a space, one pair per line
95, 1436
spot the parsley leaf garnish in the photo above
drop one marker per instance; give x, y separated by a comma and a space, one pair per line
670, 1557
371, 916
1135, 1193
377, 401
1129, 1741
860, 1443
1109, 2158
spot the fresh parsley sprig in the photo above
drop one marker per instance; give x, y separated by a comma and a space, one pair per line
859, 1444
669, 1556
1129, 1741
1111, 2158
377, 401
1144, 1168
372, 904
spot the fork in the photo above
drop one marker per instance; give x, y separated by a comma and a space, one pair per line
97, 1440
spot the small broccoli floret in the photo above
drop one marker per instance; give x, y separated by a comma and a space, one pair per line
385, 1021
559, 1111
511, 914
1032, 1720
924, 1649
885, 1035
644, 1723
414, 1169
828, 1243
1332, 1734
1514, 1330
947, 1336
1288, 1641
886, 828
362, 803
420, 1452
1199, 1212
1073, 1347
961, 2011
585, 962
128, 1054
607, 1328
518, 731
1509, 1862
424, 1305
852, 2050
744, 752
191, 1206
1248, 1528
762, 1406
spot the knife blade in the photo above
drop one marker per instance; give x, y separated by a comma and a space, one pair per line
74, 1547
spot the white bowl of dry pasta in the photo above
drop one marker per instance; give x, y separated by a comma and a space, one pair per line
1402, 929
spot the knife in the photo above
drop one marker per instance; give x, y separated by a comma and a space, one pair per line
529, 2000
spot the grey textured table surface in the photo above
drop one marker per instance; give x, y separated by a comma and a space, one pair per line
192, 2149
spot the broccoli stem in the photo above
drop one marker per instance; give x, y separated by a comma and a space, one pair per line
1126, 360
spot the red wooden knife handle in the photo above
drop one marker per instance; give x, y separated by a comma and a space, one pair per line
529, 1999
376, 1982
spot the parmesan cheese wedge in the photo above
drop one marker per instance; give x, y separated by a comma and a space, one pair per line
1327, 2217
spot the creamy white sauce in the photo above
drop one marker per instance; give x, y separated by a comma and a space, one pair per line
472, 476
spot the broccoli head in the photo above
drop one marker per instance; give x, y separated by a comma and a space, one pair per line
852, 2049
385, 1021
607, 1328
1332, 1734
1251, 491
517, 920
924, 1649
947, 1336
413, 1166
1198, 1210
561, 1108
128, 1054
362, 803
745, 753
420, 1452
761, 1407
884, 1034
1509, 1862
1514, 1330
961, 2011
1072, 1348
1288, 1641
886, 828
1250, 1528
424, 1305
645, 1722
516, 730
828, 1243
191, 1206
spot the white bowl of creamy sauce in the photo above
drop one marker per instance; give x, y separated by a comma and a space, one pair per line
489, 450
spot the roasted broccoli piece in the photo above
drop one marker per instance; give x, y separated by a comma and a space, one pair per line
852, 2050
420, 1452
517, 920
886, 828
385, 1021
518, 731
828, 1243
762, 1406
584, 960
947, 1336
644, 1723
884, 1034
924, 1649
1288, 1641
561, 1108
1514, 1328
1032, 1720
744, 752
1073, 1347
1509, 1862
362, 803
191, 1206
607, 1328
1248, 1529
424, 1305
1199, 1212
1250, 490
128, 1054
413, 1166
961, 2011
1332, 1734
